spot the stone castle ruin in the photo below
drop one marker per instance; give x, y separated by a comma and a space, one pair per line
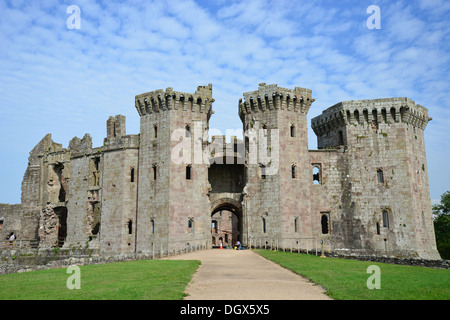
364, 191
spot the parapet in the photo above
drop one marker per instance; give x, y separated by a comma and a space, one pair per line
160, 100
388, 110
272, 97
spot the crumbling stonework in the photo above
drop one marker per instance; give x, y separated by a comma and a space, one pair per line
364, 191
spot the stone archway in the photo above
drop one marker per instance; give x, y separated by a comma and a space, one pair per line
226, 222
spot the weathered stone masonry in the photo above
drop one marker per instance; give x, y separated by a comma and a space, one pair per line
364, 191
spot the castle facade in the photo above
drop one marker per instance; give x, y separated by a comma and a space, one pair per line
364, 191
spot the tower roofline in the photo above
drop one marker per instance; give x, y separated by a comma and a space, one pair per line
272, 97
160, 100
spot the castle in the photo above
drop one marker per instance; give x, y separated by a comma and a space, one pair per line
364, 191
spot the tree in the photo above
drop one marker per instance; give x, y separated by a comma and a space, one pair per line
441, 217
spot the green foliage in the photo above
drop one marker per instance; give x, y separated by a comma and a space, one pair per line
345, 279
441, 213
132, 280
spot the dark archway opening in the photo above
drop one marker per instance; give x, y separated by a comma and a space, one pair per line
61, 213
226, 224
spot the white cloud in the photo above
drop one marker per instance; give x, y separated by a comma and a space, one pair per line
68, 82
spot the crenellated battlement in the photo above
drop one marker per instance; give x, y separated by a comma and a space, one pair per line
272, 97
160, 100
371, 112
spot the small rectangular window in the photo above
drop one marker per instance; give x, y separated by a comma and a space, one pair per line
188, 173
263, 171
154, 172
380, 176
132, 175
325, 221
130, 226
385, 219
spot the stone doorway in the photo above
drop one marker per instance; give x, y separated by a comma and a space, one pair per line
226, 223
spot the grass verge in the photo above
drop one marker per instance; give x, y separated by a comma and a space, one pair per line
131, 280
347, 279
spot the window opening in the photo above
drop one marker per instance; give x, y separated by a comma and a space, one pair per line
324, 223
385, 219
188, 173
380, 176
130, 226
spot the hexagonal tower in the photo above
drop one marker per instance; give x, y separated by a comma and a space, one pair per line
173, 205
379, 176
276, 202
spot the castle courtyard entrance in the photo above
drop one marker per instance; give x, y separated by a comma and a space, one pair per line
226, 223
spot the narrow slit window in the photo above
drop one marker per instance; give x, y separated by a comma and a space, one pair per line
188, 131
292, 131
385, 219
293, 171
152, 226
130, 226
154, 172
324, 223
132, 175
155, 129
264, 225
188, 172
191, 225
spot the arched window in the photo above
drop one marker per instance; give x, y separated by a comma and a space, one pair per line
188, 131
296, 225
292, 130
316, 174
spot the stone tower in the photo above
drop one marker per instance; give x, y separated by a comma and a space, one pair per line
172, 204
383, 204
278, 173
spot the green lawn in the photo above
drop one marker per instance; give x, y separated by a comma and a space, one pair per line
347, 279
133, 280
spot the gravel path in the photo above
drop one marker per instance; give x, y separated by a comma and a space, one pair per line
244, 275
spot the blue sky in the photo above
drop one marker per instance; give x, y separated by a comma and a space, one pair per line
67, 82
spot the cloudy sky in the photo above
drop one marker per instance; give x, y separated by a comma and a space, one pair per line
67, 82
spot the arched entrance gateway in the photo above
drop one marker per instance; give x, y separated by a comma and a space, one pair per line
226, 222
